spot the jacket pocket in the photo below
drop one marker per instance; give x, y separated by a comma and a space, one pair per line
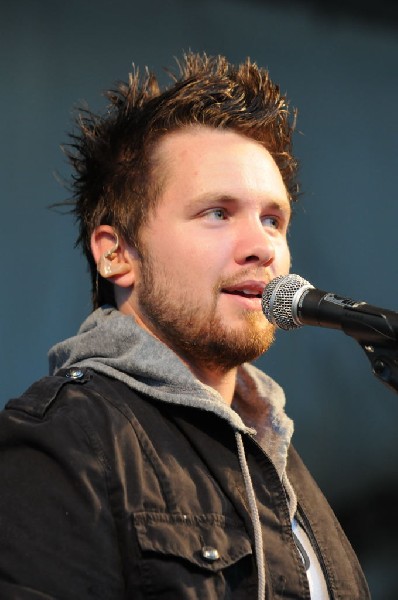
193, 556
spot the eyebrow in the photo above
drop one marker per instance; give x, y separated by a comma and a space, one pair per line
283, 205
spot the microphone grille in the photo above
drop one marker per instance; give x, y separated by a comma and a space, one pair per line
277, 300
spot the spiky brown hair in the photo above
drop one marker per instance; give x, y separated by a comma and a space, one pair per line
114, 181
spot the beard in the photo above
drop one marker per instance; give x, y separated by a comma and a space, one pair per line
196, 332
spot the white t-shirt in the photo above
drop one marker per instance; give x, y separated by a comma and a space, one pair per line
316, 578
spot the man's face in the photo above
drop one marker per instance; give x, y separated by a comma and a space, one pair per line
216, 237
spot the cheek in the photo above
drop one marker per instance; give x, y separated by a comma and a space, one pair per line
187, 257
187, 265
202, 255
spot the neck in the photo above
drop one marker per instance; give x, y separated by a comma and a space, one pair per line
223, 382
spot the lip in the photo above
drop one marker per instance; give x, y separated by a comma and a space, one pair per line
253, 287
250, 301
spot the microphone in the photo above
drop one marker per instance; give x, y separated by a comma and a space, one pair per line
289, 301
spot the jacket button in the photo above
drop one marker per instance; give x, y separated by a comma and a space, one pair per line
209, 553
75, 374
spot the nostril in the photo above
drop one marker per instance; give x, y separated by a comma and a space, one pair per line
255, 258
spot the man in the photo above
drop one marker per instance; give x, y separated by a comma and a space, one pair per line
155, 462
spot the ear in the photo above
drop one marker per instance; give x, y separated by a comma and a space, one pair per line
114, 258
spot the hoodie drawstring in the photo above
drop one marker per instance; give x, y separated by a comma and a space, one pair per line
258, 536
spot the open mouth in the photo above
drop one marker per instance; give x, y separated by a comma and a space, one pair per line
246, 289
243, 293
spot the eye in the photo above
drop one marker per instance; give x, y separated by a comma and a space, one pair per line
216, 214
272, 222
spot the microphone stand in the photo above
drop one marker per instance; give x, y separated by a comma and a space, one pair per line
384, 362
377, 333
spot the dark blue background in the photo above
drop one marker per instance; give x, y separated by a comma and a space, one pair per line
341, 72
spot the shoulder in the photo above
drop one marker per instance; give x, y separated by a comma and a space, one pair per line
74, 409
43, 394
73, 391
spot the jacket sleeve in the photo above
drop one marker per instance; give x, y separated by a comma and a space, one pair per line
58, 536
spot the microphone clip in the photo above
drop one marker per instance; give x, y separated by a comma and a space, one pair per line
384, 362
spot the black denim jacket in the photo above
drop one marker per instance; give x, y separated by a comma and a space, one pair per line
109, 495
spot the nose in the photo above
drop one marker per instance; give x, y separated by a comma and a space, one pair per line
255, 244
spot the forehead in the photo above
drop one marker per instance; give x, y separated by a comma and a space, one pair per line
197, 160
